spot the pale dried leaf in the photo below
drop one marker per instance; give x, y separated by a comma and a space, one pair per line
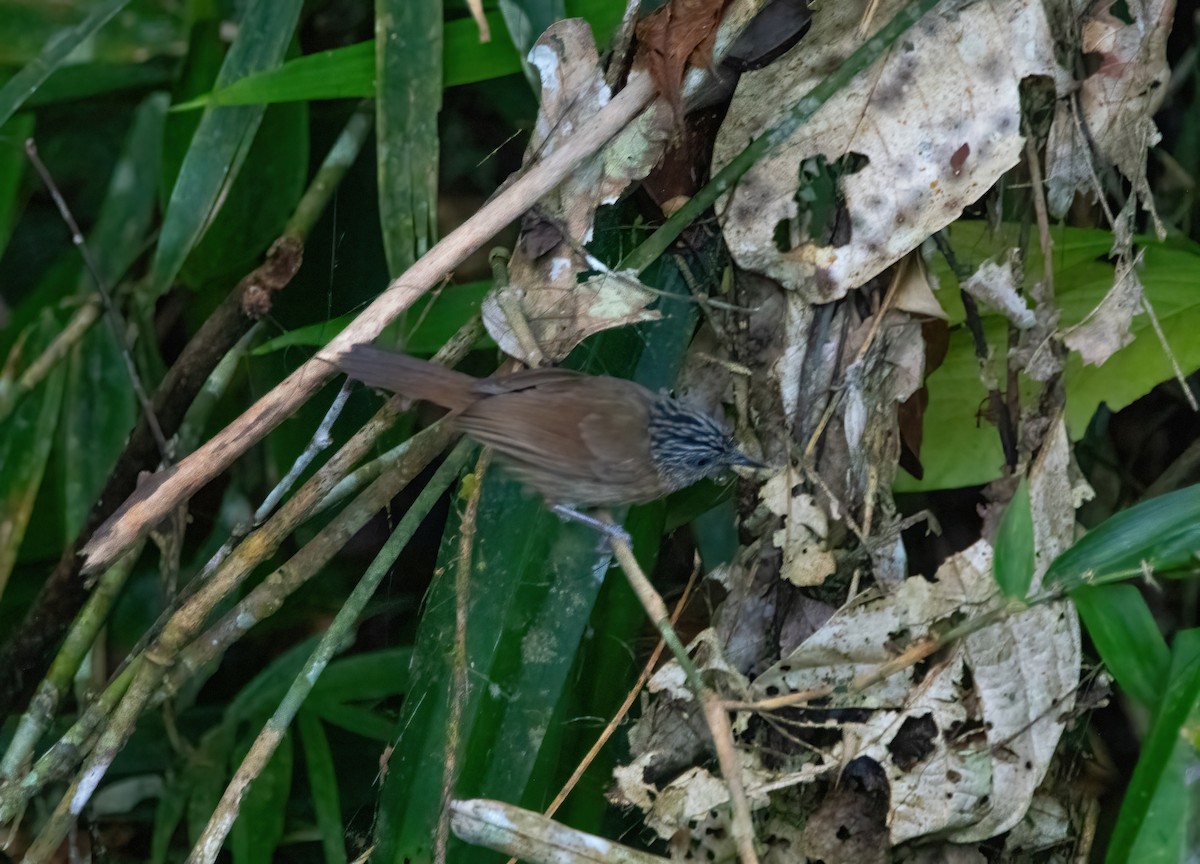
995, 285
1105, 330
803, 538
1117, 102
554, 311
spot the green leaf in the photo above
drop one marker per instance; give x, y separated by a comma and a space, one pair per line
12, 166
1127, 639
349, 73
1155, 813
533, 585
1012, 564
222, 139
365, 677
323, 784
1162, 533
960, 448
25, 438
408, 55
99, 407
257, 206
167, 816
53, 55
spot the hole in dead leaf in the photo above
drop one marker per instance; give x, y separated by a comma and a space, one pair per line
843, 833
913, 742
1120, 11
821, 215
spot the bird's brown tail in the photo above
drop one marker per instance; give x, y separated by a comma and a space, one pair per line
408, 376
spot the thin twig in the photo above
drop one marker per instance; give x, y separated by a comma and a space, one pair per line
110, 309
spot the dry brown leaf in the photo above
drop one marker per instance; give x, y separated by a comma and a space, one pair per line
1117, 102
675, 36
965, 742
545, 311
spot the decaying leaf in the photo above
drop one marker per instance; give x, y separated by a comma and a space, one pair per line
807, 560
1105, 330
995, 284
952, 81
964, 743
678, 34
1115, 104
546, 310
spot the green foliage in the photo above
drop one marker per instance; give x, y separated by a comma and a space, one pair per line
1013, 562
178, 204
959, 449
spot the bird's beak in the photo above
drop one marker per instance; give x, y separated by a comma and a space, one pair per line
740, 458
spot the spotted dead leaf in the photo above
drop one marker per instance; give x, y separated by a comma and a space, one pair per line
915, 139
547, 309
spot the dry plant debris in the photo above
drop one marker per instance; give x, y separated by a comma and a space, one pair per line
554, 310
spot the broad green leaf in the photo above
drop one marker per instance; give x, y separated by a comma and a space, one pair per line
533, 585
54, 52
1012, 564
960, 447
167, 815
361, 721
257, 206
1127, 638
323, 785
25, 438
365, 677
408, 55
88, 80
145, 28
222, 139
1162, 533
1156, 810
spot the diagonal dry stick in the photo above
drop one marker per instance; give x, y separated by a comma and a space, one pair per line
159, 494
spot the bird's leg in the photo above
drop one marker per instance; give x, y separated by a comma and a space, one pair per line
609, 529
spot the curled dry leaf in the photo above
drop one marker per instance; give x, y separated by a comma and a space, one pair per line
995, 285
952, 81
964, 743
545, 310
1105, 330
